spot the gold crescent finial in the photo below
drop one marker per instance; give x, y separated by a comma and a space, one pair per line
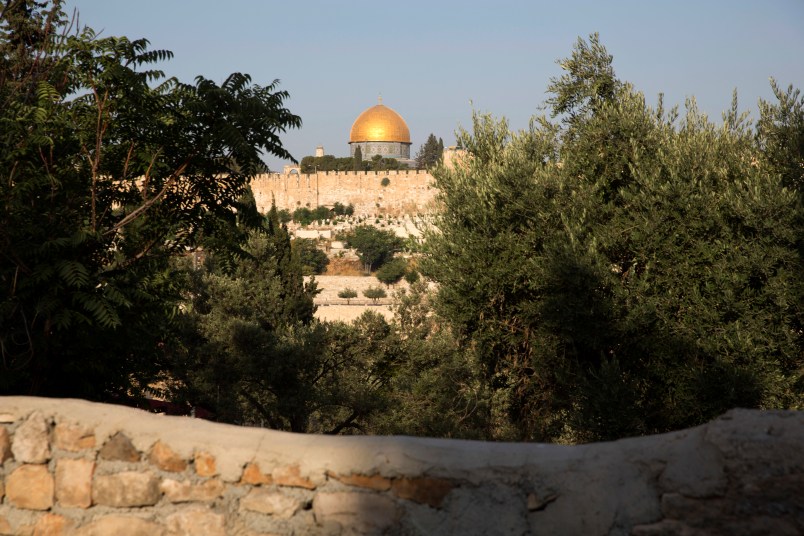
379, 99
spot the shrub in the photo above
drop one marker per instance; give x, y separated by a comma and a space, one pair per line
374, 293
347, 294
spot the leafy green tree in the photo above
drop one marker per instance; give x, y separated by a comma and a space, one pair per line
347, 294
411, 276
317, 164
339, 209
780, 133
435, 388
638, 274
392, 271
256, 339
374, 246
285, 216
113, 171
313, 260
303, 216
430, 153
378, 163
306, 216
362, 358
374, 293
357, 159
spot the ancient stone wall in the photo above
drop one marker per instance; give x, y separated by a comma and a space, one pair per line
74, 467
405, 192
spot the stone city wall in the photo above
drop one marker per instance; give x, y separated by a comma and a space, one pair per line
74, 467
407, 191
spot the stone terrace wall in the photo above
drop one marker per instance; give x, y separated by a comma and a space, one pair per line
74, 467
407, 192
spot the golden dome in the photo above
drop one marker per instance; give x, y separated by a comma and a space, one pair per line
379, 123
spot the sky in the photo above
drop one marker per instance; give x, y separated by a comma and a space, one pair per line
435, 62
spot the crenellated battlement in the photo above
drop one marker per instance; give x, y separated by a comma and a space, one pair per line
371, 192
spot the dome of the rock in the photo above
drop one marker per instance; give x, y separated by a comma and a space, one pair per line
379, 123
381, 131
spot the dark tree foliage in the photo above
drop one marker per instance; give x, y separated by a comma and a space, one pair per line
250, 338
430, 153
378, 163
110, 170
306, 216
339, 209
375, 293
347, 294
780, 133
435, 389
624, 272
317, 164
392, 271
357, 160
313, 260
374, 246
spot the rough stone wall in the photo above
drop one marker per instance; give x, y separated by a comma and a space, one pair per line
74, 467
407, 191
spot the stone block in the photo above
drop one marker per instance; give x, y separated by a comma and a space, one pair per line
31, 443
5, 527
126, 489
5, 445
196, 522
270, 502
539, 501
665, 527
74, 483
73, 437
204, 464
290, 476
423, 490
186, 491
375, 482
355, 511
30, 487
116, 525
166, 459
53, 525
694, 512
119, 448
253, 476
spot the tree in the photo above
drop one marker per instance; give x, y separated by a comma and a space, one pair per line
430, 153
638, 275
113, 171
317, 164
374, 293
357, 159
254, 336
780, 133
374, 246
435, 389
313, 260
347, 294
339, 209
588, 82
392, 271
363, 356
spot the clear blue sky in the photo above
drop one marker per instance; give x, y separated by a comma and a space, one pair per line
435, 61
